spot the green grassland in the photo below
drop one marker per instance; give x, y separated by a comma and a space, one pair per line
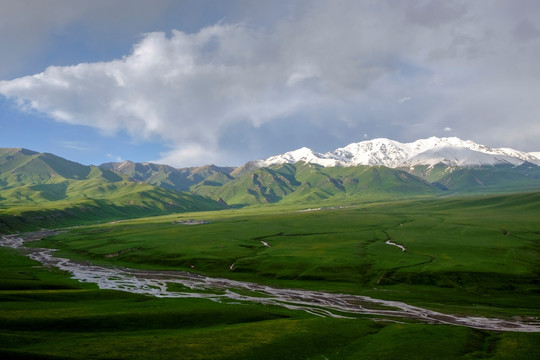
479, 236
121, 201
470, 255
45, 315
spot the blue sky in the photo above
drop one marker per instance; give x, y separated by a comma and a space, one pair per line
195, 82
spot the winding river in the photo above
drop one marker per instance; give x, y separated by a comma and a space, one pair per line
178, 284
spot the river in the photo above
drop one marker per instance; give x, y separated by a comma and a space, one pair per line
179, 284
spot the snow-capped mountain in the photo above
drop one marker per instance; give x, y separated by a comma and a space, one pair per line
450, 151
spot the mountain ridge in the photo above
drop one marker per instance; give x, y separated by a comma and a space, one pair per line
178, 179
374, 168
450, 151
44, 190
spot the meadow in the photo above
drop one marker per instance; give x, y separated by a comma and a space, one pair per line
477, 256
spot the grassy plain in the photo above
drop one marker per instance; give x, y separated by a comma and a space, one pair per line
473, 255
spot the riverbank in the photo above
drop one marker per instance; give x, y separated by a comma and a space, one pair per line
157, 283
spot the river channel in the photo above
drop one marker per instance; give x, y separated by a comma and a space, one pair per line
179, 284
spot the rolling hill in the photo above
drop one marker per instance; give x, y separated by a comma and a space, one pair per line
41, 183
302, 182
171, 178
41, 189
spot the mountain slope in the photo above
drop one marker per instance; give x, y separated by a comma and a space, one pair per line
26, 167
302, 182
40, 188
499, 178
168, 177
379, 167
449, 163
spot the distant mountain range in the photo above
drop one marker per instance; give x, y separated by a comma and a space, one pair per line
447, 165
450, 151
171, 178
44, 190
45, 187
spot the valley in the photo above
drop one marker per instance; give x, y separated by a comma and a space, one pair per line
157, 283
43, 190
293, 259
269, 180
469, 261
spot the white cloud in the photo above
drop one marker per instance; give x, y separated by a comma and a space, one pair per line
114, 157
191, 155
182, 89
338, 57
75, 145
447, 129
404, 99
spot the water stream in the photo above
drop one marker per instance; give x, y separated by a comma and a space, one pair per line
179, 284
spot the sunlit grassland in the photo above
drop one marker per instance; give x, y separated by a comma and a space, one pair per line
51, 316
473, 255
463, 251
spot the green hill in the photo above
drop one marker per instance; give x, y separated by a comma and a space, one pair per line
289, 183
159, 175
501, 178
26, 167
42, 182
487, 178
303, 182
38, 190
171, 178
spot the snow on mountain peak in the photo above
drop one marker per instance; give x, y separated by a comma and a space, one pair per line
535, 155
450, 151
303, 154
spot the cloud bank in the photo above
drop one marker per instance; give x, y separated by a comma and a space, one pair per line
343, 64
